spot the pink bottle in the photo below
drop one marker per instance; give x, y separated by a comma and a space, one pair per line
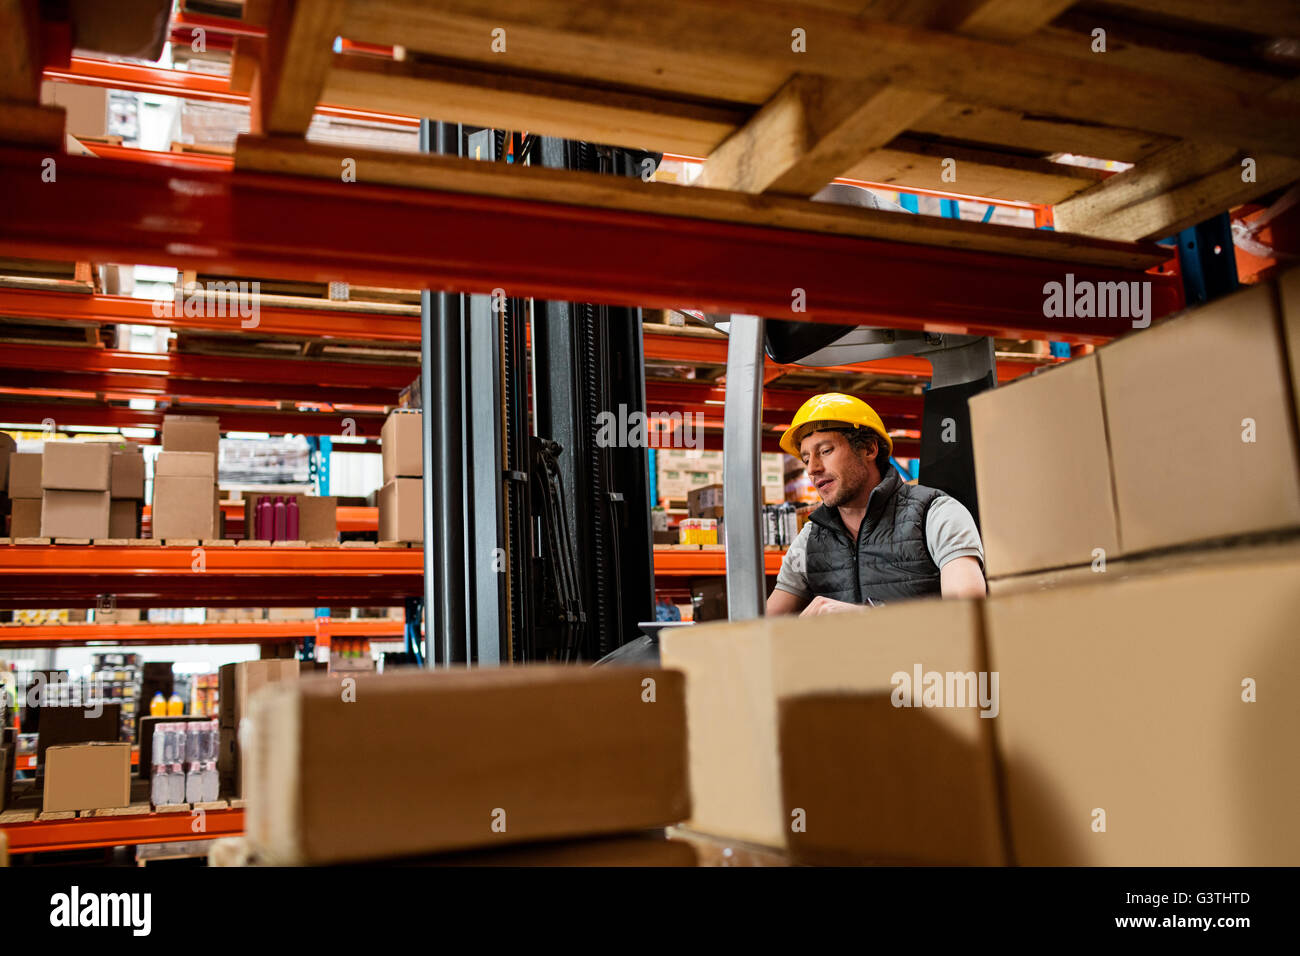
291, 519
279, 519
264, 519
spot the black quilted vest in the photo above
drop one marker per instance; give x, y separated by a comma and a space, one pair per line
890, 560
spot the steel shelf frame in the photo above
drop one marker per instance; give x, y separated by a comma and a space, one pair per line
320, 230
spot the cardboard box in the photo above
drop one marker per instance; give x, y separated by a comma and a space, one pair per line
75, 514
520, 767
7, 449
75, 466
184, 508
237, 682
87, 777
290, 613
126, 479
790, 714
1183, 472
25, 475
1043, 471
124, 518
317, 515
1133, 698
697, 499
401, 441
192, 433
401, 510
25, 518
1288, 291
186, 464
119, 615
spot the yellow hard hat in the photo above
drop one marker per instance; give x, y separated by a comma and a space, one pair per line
834, 407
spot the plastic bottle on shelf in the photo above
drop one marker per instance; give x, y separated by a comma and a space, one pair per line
158, 706
291, 518
175, 706
279, 534
264, 519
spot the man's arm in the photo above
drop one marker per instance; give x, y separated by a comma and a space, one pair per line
962, 577
783, 602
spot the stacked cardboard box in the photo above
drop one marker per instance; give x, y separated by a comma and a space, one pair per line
679, 471
236, 683
1103, 458
401, 499
186, 502
126, 489
75, 478
540, 753
25, 495
1118, 723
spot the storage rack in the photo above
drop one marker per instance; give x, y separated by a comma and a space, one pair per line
698, 90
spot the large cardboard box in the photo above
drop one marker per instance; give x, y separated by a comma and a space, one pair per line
186, 464
237, 682
75, 514
124, 518
805, 735
183, 508
25, 518
1194, 461
1159, 707
75, 466
317, 515
25, 475
401, 440
127, 472
7, 448
87, 777
539, 752
192, 433
401, 510
1042, 470
1288, 290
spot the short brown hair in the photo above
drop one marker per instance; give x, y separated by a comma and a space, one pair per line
858, 439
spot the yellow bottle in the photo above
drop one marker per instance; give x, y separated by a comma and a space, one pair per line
175, 706
158, 706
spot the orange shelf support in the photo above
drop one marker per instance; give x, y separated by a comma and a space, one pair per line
87, 832
702, 560
215, 632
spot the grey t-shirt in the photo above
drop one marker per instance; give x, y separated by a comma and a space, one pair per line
950, 533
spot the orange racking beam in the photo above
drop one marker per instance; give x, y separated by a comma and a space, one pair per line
215, 632
82, 833
672, 561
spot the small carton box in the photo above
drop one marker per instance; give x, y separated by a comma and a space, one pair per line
402, 446
124, 518
698, 499
75, 466
186, 464
183, 507
75, 514
238, 682
127, 472
87, 776
401, 510
192, 433
1045, 491
25, 518
25, 475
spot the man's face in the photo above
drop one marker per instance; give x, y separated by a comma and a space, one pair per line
839, 473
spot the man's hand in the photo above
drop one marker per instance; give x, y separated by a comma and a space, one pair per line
825, 605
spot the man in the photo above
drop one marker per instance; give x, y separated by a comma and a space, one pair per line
874, 540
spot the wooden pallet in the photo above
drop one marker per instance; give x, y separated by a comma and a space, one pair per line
979, 98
